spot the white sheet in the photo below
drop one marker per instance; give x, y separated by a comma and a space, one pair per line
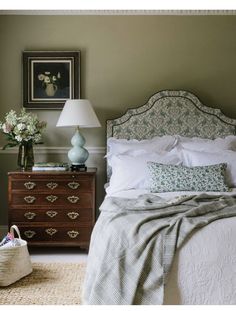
204, 269
168, 195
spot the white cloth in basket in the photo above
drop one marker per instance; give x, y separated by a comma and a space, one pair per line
15, 261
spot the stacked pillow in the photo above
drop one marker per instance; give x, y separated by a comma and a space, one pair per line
135, 147
131, 172
194, 158
207, 145
128, 160
143, 164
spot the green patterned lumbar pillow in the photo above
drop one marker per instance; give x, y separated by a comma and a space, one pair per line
167, 178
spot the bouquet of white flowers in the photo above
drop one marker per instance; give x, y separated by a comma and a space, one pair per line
47, 77
21, 129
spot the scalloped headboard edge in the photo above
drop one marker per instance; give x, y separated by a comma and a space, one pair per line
171, 112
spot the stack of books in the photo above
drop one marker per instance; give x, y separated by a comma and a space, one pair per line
50, 166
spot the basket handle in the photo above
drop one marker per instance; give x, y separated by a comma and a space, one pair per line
14, 227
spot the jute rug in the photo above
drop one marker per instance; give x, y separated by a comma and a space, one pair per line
48, 284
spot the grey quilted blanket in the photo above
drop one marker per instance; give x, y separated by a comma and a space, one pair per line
134, 242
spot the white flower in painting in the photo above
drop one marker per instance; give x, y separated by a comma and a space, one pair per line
49, 77
41, 77
47, 80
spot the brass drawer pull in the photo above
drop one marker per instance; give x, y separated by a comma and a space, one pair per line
52, 185
29, 199
51, 213
73, 185
29, 234
73, 215
51, 198
73, 199
73, 234
29, 215
51, 231
29, 185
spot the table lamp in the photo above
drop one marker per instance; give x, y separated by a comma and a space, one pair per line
78, 113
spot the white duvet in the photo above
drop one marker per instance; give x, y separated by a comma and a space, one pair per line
204, 269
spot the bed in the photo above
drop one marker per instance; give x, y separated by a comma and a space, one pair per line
143, 250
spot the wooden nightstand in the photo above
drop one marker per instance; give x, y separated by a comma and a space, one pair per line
53, 208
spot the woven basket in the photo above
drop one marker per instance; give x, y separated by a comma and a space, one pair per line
15, 261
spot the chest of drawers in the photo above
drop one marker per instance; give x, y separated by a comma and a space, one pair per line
53, 208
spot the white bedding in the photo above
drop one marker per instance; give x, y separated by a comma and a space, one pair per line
204, 269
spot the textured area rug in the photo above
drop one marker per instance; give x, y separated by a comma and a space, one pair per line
48, 284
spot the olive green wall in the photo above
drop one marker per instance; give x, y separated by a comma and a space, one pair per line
124, 60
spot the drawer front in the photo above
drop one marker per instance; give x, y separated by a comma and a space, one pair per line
65, 200
55, 233
53, 185
52, 215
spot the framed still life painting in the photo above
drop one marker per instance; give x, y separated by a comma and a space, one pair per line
50, 78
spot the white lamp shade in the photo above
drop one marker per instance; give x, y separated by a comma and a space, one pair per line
78, 112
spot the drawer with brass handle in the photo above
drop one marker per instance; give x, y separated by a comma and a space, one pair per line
78, 215
55, 185
51, 185
51, 214
73, 185
51, 231
55, 233
30, 215
29, 234
73, 234
29, 199
51, 198
73, 199
73, 215
29, 185
64, 200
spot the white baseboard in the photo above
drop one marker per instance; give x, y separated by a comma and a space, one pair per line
3, 231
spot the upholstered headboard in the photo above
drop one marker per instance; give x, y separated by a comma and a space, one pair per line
171, 113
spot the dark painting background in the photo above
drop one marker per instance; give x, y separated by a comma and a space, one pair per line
63, 83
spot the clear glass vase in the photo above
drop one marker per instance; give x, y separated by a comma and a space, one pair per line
25, 156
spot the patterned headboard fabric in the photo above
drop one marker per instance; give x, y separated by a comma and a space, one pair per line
171, 113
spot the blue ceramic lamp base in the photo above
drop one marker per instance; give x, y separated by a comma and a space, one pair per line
78, 154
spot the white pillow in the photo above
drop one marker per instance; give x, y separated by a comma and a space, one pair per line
131, 172
135, 147
208, 145
200, 158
